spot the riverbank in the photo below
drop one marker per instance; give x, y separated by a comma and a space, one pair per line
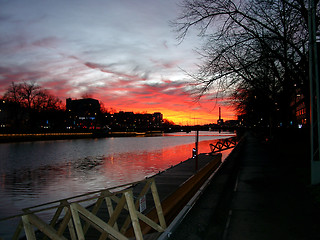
23, 137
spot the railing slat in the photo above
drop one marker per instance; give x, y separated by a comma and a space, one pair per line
144, 190
45, 228
28, 228
97, 221
77, 222
133, 215
158, 206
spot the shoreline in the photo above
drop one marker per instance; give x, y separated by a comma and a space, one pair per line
26, 137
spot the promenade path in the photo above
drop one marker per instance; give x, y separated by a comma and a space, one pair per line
257, 195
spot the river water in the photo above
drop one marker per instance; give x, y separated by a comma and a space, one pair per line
33, 173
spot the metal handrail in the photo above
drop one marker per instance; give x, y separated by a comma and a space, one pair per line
223, 144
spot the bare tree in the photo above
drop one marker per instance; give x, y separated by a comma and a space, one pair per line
251, 44
14, 93
30, 106
44, 101
32, 97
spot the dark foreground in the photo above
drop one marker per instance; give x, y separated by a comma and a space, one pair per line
261, 192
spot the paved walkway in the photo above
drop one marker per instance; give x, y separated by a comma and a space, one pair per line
257, 195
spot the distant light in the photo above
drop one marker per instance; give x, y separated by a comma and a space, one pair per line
300, 126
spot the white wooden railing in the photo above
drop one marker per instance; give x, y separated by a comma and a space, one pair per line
72, 220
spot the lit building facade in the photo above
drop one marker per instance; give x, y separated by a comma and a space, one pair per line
82, 113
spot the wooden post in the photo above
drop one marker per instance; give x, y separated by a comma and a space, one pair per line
28, 228
157, 203
67, 219
110, 210
133, 215
143, 192
77, 222
18, 231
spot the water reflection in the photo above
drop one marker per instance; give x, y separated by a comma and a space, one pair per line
39, 172
105, 170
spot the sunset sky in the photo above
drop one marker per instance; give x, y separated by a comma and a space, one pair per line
121, 52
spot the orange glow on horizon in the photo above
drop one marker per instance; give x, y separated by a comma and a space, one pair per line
188, 117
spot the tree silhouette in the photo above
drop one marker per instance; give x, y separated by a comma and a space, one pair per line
32, 97
30, 105
258, 46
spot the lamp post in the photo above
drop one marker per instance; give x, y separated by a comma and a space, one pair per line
197, 149
314, 95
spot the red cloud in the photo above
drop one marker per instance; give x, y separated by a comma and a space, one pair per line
128, 92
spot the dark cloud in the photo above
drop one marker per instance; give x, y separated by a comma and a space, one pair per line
9, 75
46, 42
117, 74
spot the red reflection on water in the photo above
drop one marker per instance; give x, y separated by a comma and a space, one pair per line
93, 173
134, 166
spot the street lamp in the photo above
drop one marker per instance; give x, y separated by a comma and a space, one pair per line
314, 94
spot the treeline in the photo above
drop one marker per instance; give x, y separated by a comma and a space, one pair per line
27, 107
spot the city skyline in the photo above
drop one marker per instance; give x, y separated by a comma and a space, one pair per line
123, 53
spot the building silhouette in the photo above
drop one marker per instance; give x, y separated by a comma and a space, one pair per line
86, 113
83, 113
134, 122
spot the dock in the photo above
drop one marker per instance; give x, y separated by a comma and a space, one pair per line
177, 185
117, 212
